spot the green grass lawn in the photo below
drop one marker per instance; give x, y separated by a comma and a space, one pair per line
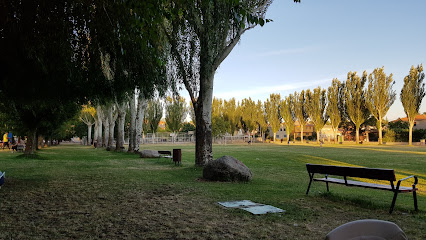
77, 192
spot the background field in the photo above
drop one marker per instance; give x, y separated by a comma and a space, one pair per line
79, 192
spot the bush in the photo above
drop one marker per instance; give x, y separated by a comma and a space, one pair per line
389, 136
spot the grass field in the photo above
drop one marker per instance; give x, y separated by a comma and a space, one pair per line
77, 192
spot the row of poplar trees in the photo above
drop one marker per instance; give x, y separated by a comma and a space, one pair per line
355, 100
105, 117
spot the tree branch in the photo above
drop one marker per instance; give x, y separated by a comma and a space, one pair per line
181, 66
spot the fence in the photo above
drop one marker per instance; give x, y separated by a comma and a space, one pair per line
167, 138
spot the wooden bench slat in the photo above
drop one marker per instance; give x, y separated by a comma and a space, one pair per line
363, 184
371, 173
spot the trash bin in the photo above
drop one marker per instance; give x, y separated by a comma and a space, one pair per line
177, 156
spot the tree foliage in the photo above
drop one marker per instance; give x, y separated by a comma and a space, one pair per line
248, 112
201, 35
380, 96
316, 104
175, 113
300, 110
153, 114
287, 114
412, 94
355, 100
272, 106
335, 106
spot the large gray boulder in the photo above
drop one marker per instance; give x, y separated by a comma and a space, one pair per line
149, 154
226, 169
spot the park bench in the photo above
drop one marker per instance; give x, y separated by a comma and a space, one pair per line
20, 148
359, 172
2, 174
166, 154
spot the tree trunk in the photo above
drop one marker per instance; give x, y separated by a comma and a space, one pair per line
288, 136
112, 119
100, 116
410, 133
275, 134
142, 104
335, 135
203, 116
89, 134
357, 135
105, 122
380, 131
31, 144
132, 128
318, 136
301, 133
121, 116
95, 134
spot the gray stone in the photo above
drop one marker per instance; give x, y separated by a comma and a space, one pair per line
149, 154
226, 169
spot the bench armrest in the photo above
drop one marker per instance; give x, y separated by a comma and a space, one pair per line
412, 176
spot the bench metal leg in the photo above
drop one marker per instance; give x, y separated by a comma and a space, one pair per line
415, 201
311, 176
327, 187
393, 202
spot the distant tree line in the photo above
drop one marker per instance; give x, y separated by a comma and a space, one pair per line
358, 101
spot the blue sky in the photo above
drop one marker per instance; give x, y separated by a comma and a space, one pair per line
310, 43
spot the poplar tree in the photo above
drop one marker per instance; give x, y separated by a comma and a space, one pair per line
202, 34
232, 114
248, 114
412, 94
300, 111
87, 115
272, 105
153, 114
335, 96
175, 113
219, 125
287, 114
380, 96
261, 118
355, 100
316, 104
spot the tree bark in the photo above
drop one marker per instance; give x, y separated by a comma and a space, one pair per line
142, 104
357, 135
100, 116
410, 133
105, 122
301, 133
95, 134
112, 119
89, 134
275, 134
31, 144
203, 130
318, 136
121, 116
132, 128
380, 131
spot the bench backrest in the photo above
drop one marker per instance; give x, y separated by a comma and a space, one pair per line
2, 178
371, 173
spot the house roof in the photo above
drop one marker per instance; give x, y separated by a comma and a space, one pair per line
418, 118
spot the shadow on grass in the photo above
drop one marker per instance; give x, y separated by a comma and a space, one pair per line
358, 201
31, 156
